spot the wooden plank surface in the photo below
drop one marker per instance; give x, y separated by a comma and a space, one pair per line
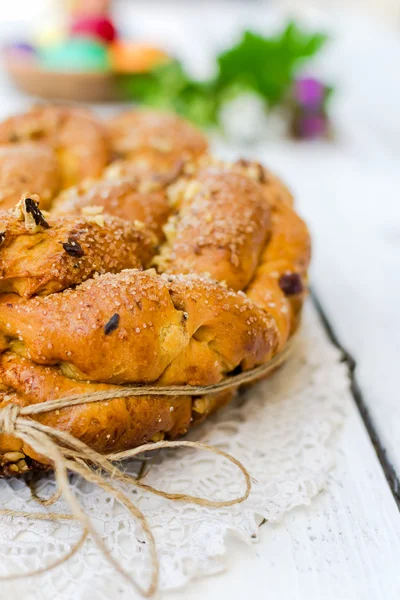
355, 225
344, 546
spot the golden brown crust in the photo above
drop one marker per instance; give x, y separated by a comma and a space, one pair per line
28, 167
69, 250
78, 140
148, 177
149, 328
280, 282
275, 190
263, 255
289, 248
124, 198
155, 141
221, 228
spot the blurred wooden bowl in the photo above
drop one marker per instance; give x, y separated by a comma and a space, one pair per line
69, 86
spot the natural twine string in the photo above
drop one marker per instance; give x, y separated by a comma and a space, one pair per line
67, 453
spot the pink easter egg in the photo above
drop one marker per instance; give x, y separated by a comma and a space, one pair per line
99, 27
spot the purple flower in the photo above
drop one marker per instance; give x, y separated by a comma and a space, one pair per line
309, 92
311, 126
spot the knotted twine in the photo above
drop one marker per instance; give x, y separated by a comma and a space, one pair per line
67, 453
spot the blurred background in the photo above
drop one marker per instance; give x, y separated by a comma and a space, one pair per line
99, 50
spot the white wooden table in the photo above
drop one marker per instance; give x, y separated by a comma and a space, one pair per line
346, 545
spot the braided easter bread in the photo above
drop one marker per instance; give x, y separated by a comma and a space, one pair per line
229, 260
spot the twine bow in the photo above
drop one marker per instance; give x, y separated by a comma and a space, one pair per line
67, 453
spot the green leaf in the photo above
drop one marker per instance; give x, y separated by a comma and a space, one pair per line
170, 87
267, 65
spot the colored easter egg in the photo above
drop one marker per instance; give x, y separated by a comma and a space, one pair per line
94, 26
128, 57
75, 54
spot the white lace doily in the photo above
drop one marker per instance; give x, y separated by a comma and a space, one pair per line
280, 429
